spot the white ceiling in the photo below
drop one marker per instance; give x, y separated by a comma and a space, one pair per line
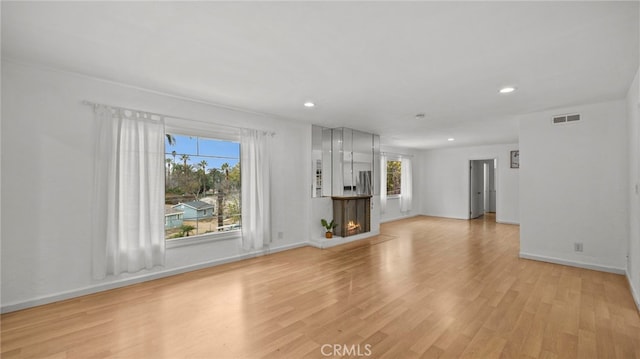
370, 66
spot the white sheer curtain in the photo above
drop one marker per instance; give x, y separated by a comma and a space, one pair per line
128, 210
256, 192
406, 194
383, 183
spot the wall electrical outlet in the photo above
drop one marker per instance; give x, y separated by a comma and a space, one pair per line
577, 247
280, 235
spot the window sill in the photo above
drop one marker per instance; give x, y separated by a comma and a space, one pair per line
394, 196
203, 238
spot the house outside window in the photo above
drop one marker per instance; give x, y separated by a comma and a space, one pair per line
202, 186
394, 171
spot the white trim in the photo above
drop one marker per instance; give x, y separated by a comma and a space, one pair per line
323, 243
12, 307
635, 294
398, 218
444, 216
203, 238
464, 218
570, 263
285, 247
507, 222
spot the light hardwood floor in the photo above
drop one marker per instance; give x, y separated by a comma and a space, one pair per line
425, 287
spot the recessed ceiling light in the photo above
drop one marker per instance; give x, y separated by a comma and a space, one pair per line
507, 89
451, 139
309, 104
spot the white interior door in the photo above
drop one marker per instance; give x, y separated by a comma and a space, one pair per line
476, 189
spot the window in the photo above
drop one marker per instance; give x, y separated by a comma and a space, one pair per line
202, 186
394, 170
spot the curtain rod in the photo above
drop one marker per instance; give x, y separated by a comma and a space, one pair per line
395, 154
94, 104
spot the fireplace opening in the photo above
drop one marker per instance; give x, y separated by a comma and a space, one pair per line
352, 215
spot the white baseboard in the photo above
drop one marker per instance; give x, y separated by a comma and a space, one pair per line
507, 222
444, 216
573, 263
399, 218
467, 218
285, 247
634, 292
12, 307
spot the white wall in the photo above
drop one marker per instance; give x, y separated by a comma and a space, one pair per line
47, 179
444, 182
633, 115
392, 210
573, 187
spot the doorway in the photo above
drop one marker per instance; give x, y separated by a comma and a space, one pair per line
482, 187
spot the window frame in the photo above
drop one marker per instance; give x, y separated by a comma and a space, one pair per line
202, 130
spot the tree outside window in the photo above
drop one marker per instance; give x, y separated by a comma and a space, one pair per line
394, 169
202, 186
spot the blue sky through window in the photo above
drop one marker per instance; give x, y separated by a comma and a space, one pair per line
214, 152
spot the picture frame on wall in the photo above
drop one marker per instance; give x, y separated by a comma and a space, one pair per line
515, 159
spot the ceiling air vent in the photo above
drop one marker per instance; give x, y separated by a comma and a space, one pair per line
560, 119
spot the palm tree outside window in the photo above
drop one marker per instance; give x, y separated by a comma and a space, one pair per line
202, 186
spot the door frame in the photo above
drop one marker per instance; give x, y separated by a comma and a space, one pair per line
496, 180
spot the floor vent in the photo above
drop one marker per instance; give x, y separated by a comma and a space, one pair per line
560, 119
